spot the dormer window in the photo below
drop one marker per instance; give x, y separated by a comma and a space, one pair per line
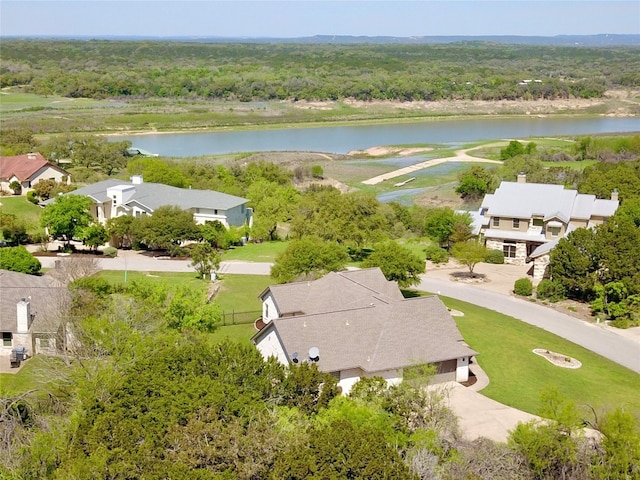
496, 221
516, 223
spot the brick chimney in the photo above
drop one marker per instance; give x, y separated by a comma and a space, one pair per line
614, 195
522, 177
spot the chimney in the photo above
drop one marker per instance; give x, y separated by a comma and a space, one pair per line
522, 177
614, 195
137, 179
31, 156
24, 316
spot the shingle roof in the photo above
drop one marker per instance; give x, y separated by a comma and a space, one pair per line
154, 195
374, 338
24, 166
42, 292
336, 290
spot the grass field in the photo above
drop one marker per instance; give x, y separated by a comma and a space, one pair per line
255, 252
170, 278
518, 376
24, 210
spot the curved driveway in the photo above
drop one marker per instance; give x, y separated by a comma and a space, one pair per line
619, 349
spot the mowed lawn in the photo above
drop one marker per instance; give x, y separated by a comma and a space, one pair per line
518, 376
255, 252
24, 210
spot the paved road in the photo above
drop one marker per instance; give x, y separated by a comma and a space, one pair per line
134, 261
619, 349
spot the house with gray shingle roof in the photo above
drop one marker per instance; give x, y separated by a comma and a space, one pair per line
358, 324
29, 312
525, 220
113, 198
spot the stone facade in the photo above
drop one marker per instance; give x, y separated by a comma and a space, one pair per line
540, 265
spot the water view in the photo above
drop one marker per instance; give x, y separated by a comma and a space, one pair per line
343, 139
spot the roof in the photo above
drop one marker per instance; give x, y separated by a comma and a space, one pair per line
336, 290
154, 195
42, 291
359, 319
528, 200
533, 236
374, 338
24, 167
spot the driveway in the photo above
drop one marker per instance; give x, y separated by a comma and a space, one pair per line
621, 349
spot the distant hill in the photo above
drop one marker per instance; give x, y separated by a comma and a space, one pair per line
600, 40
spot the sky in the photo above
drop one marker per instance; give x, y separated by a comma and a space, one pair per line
300, 18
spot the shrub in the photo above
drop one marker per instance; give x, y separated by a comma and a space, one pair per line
32, 196
436, 254
523, 287
551, 290
110, 252
495, 257
316, 171
16, 187
18, 259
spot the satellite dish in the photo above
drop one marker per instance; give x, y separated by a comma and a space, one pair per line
294, 357
314, 354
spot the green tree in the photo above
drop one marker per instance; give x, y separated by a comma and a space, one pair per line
470, 253
67, 216
167, 228
397, 263
16, 187
205, 259
13, 230
273, 203
573, 263
94, 236
18, 259
122, 231
188, 310
157, 171
551, 447
475, 183
620, 456
446, 226
308, 256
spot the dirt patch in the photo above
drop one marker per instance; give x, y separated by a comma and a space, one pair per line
466, 277
383, 151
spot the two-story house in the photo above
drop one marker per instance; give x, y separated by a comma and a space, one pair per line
525, 220
113, 198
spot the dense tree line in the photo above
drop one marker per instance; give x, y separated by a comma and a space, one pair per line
149, 69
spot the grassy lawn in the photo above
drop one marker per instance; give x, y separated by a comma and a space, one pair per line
23, 210
518, 375
29, 377
170, 278
577, 165
239, 293
255, 252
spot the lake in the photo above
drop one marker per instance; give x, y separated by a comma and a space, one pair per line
343, 139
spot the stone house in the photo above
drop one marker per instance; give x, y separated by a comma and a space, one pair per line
525, 220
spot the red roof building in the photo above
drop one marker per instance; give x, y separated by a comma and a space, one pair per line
29, 169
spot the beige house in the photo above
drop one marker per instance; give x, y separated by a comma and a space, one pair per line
29, 169
114, 198
357, 324
30, 309
525, 220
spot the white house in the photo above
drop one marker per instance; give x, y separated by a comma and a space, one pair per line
29, 169
113, 198
357, 324
526, 220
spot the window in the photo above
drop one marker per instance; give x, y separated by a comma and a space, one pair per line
555, 231
496, 221
538, 222
197, 210
242, 209
215, 212
516, 223
266, 310
509, 249
6, 339
44, 343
